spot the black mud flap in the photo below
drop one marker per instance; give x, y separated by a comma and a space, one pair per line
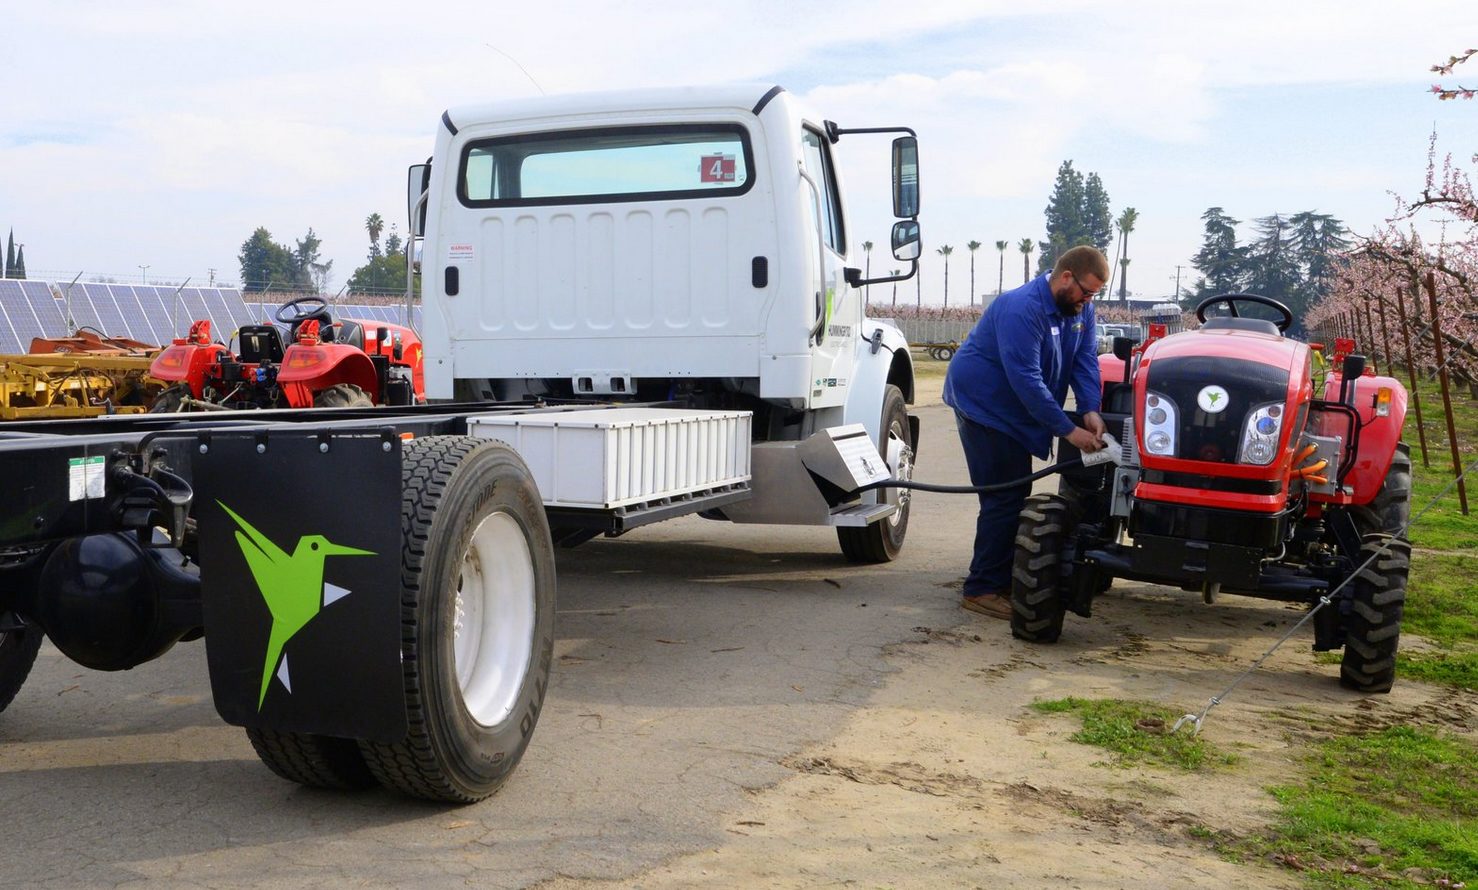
300, 577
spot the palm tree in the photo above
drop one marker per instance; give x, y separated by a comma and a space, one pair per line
1026, 247
972, 247
1001, 272
895, 273
945, 251
374, 224
1126, 222
867, 268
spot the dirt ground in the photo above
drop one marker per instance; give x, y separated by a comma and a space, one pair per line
947, 778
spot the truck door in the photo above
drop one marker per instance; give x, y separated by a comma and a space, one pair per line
837, 310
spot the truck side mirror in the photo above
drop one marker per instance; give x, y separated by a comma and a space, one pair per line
905, 178
417, 188
1124, 347
906, 242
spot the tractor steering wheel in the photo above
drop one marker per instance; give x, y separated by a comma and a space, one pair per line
294, 312
1232, 300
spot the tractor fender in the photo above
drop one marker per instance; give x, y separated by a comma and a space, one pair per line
320, 366
186, 362
1379, 434
872, 371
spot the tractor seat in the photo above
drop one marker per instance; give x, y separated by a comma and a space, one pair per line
1228, 323
260, 343
350, 333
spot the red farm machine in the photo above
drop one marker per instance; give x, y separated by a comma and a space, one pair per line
1244, 470
319, 363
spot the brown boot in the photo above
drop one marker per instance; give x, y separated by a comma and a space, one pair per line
996, 605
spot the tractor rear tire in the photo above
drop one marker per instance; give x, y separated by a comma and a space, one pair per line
882, 540
17, 653
342, 395
477, 619
1037, 599
1373, 627
171, 400
319, 761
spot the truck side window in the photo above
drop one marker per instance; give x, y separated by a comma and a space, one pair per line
818, 164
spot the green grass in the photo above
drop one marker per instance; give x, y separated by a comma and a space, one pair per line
1443, 527
1136, 732
1440, 601
1379, 810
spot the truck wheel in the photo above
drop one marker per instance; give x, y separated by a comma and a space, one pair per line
1037, 603
342, 395
881, 540
17, 653
171, 401
1373, 626
319, 761
477, 619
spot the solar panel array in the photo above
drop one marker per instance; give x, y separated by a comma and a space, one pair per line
153, 315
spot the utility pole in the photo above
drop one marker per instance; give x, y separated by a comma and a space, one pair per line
212, 278
1177, 284
144, 268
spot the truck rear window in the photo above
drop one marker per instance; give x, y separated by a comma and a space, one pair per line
613, 164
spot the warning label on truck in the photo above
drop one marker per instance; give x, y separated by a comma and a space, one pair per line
85, 477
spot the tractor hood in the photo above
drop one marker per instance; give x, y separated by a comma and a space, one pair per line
1219, 401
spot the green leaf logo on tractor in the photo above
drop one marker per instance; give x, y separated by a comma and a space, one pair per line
292, 585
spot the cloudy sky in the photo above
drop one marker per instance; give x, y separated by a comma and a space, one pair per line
163, 133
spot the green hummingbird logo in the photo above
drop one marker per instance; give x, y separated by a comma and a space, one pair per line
292, 586
1213, 397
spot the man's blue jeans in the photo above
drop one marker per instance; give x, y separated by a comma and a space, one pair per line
994, 457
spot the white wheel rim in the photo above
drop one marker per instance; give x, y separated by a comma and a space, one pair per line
493, 625
900, 461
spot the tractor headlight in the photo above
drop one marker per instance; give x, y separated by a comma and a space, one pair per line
1161, 420
1260, 434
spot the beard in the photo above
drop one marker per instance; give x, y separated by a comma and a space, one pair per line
1065, 303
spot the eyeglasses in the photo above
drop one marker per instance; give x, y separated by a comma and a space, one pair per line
1090, 294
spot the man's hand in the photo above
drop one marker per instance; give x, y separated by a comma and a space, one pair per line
1093, 422
1084, 440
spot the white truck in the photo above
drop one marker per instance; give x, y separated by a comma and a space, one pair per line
636, 306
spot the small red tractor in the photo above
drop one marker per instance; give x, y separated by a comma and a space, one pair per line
325, 364
1243, 470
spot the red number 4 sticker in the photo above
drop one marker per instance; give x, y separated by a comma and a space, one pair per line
717, 168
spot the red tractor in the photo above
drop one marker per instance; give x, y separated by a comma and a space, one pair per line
1243, 471
325, 364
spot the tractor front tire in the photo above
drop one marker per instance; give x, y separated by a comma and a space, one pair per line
1373, 626
477, 619
882, 540
1389, 511
319, 761
342, 395
1037, 600
17, 653
171, 400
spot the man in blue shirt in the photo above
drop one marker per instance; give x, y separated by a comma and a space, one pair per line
1007, 384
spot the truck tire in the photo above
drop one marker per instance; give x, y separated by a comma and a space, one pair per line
171, 400
477, 619
318, 761
1373, 626
882, 540
17, 653
1037, 601
342, 395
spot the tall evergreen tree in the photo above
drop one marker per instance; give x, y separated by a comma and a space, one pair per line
10, 254
1066, 226
1317, 241
1220, 261
1272, 269
1098, 220
20, 263
264, 263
